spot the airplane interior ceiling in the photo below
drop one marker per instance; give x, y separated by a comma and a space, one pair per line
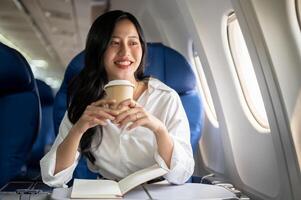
53, 31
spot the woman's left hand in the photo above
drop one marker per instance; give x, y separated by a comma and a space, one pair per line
138, 116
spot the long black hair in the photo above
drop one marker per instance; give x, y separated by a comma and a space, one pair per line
88, 86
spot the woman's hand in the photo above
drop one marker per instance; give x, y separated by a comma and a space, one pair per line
97, 113
138, 116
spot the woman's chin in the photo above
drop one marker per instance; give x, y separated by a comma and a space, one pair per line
123, 77
120, 78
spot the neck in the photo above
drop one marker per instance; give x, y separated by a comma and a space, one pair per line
136, 90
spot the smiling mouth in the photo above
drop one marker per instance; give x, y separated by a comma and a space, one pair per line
123, 64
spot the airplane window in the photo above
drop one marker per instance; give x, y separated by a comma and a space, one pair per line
203, 88
246, 74
298, 10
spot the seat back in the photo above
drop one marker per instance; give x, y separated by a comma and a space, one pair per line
19, 112
60, 101
46, 134
163, 63
169, 66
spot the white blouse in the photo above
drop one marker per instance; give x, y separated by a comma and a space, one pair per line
123, 152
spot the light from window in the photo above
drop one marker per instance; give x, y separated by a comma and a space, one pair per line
298, 11
245, 73
203, 88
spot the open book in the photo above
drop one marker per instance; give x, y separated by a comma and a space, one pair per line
89, 189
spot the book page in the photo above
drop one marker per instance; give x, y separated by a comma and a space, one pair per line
140, 177
84, 188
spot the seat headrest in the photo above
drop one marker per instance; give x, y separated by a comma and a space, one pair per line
75, 66
45, 93
15, 75
170, 67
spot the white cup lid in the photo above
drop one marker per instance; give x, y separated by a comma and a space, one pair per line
119, 82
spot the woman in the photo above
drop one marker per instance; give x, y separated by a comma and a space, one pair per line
151, 128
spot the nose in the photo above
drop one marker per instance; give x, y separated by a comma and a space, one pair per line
124, 50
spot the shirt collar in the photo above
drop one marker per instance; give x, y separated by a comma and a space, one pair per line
154, 84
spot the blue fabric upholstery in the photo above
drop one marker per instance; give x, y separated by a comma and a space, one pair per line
60, 102
163, 63
46, 135
172, 68
20, 112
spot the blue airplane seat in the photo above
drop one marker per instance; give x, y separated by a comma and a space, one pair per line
163, 63
19, 115
46, 135
169, 66
60, 102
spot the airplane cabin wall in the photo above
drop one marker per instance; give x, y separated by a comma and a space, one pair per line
283, 40
210, 23
170, 24
281, 69
253, 160
211, 144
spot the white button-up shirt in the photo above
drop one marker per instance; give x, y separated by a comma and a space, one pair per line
123, 152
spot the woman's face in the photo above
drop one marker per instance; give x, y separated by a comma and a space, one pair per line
124, 52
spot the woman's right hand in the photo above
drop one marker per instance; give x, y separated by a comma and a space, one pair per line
97, 113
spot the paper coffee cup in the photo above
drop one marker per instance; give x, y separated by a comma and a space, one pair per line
119, 90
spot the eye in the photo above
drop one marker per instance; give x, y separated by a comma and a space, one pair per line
114, 43
134, 43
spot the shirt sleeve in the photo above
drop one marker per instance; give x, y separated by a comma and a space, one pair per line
182, 161
47, 163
